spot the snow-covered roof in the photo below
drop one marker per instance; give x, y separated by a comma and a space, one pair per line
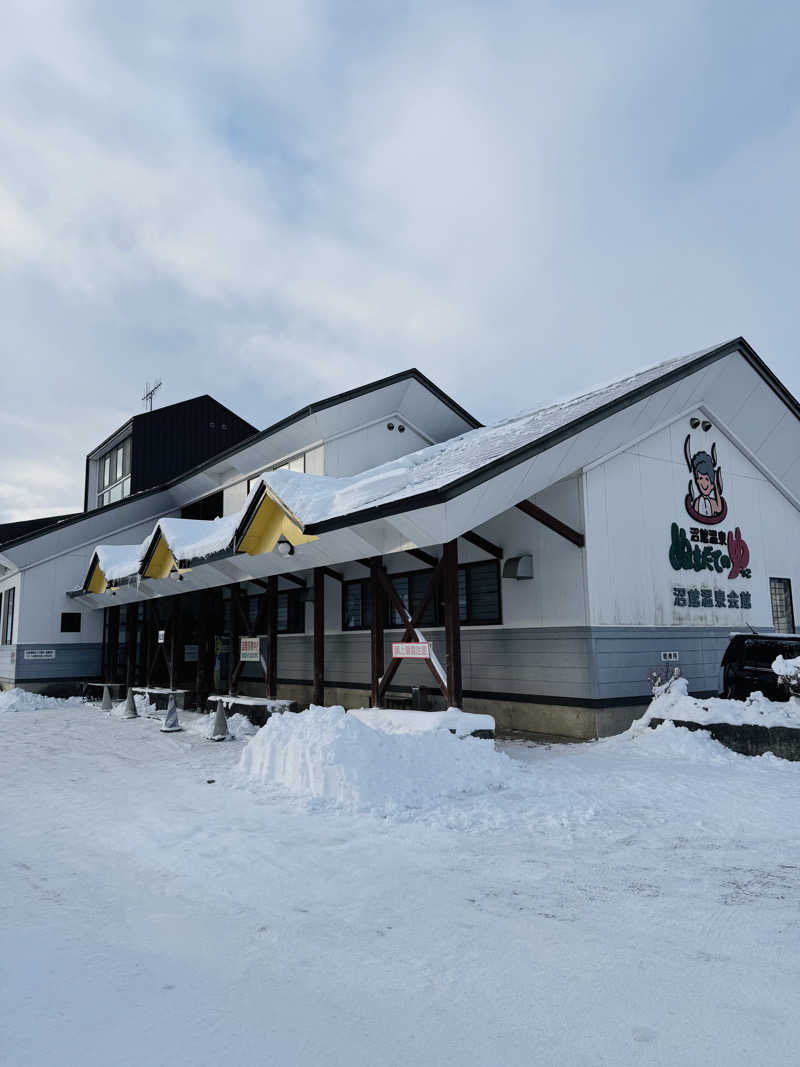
314, 500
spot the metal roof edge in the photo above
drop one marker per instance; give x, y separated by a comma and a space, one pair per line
302, 413
461, 485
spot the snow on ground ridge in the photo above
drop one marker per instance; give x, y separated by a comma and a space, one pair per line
331, 758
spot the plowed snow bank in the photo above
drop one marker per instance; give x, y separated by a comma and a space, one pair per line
326, 755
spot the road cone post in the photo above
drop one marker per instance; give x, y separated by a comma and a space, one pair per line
219, 731
106, 705
171, 724
130, 706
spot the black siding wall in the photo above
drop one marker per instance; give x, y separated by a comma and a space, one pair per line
171, 440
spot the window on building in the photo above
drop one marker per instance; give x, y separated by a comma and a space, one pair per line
478, 598
291, 612
357, 605
114, 474
780, 595
70, 622
7, 633
209, 507
296, 464
479, 593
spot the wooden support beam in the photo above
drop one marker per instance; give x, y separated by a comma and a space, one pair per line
131, 627
113, 644
551, 522
272, 637
235, 663
424, 557
378, 619
301, 582
452, 624
147, 638
410, 623
329, 572
483, 544
174, 636
202, 673
318, 696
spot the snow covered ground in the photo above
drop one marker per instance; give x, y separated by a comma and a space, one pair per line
635, 900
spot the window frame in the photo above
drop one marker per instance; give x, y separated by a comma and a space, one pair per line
118, 455
8, 606
71, 615
425, 573
287, 466
295, 602
787, 586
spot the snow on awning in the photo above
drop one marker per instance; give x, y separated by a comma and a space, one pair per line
264, 522
112, 563
177, 544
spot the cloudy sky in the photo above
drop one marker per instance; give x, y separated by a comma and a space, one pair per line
270, 202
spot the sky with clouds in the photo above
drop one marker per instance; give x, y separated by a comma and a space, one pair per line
270, 202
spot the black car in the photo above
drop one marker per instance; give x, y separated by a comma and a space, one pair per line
747, 665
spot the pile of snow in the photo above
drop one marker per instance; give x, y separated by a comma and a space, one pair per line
239, 726
13, 700
787, 668
327, 755
143, 706
422, 722
672, 702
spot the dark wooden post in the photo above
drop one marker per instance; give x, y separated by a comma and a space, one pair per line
452, 624
236, 610
113, 644
378, 620
272, 637
201, 685
132, 627
318, 696
147, 637
174, 638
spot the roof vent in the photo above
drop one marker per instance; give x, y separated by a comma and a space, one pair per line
519, 567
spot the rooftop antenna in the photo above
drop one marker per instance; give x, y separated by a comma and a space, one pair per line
149, 392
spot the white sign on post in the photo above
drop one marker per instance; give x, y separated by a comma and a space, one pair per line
161, 636
411, 650
249, 649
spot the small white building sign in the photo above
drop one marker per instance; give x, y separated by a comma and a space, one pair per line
249, 649
161, 636
40, 653
411, 650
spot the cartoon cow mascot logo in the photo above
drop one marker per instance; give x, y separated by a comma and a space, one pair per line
704, 500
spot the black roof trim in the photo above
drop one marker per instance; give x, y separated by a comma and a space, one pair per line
321, 405
23, 528
244, 523
503, 463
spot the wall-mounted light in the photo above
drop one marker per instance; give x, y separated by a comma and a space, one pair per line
389, 425
706, 426
285, 548
520, 568
694, 423
401, 428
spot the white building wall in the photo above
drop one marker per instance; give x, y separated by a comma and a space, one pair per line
632, 500
369, 446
